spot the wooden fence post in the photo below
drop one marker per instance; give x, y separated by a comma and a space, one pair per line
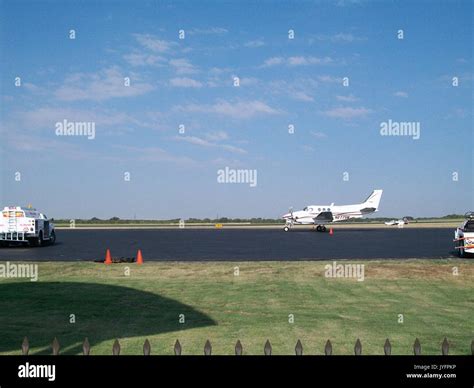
177, 348
387, 348
116, 348
55, 346
207, 348
146, 348
328, 348
25, 346
267, 350
238, 348
358, 348
417, 347
299, 348
86, 347
445, 347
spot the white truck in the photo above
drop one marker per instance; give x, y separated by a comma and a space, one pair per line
464, 236
25, 225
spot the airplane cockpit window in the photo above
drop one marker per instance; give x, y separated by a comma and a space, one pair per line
305, 209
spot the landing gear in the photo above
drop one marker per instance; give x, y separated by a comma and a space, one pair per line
286, 229
321, 228
288, 226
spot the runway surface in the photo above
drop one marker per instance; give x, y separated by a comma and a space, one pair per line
241, 244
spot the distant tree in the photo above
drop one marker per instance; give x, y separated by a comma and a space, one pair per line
114, 219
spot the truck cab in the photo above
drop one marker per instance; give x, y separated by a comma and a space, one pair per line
25, 225
464, 236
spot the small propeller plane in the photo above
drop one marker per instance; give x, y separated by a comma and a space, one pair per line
322, 215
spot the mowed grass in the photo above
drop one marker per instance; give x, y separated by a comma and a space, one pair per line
254, 306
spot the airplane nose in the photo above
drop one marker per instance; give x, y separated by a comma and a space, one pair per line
287, 215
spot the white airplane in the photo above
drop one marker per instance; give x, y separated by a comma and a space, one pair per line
401, 222
321, 215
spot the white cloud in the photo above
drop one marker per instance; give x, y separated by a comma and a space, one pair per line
237, 110
107, 83
318, 135
211, 144
349, 98
297, 61
273, 61
329, 79
183, 66
299, 89
217, 136
248, 81
207, 31
255, 43
401, 94
185, 83
340, 37
152, 155
307, 148
300, 95
136, 59
46, 117
347, 113
154, 44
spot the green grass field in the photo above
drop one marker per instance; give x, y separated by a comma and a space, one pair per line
253, 307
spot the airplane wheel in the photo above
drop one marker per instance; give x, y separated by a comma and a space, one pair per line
286, 229
323, 228
318, 228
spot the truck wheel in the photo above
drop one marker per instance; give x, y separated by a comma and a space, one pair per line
52, 238
37, 242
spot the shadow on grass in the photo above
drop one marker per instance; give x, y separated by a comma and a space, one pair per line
42, 311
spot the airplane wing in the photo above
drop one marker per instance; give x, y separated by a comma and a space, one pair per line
324, 216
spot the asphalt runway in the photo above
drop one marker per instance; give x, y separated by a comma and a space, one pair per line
241, 244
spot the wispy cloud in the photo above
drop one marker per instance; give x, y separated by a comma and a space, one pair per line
185, 83
183, 66
211, 142
300, 95
140, 59
340, 37
105, 84
307, 148
152, 155
44, 118
347, 112
401, 94
349, 98
236, 110
329, 79
300, 89
318, 135
207, 31
297, 61
254, 43
153, 43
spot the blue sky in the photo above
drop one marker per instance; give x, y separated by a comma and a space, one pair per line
190, 81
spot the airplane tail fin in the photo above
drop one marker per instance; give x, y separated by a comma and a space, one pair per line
371, 204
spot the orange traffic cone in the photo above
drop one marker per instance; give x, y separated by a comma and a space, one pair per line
331, 232
108, 258
139, 257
